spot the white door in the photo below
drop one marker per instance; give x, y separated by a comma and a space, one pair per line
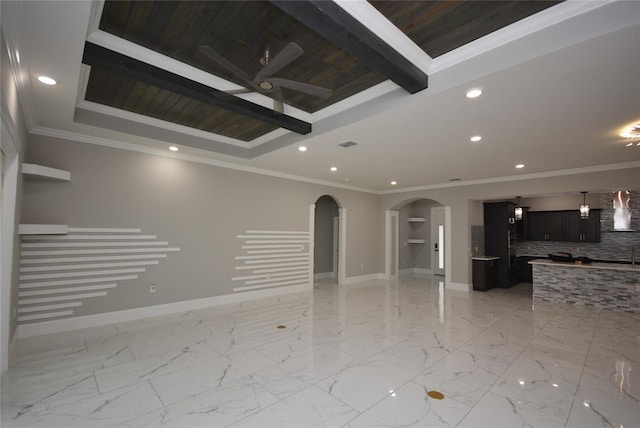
437, 240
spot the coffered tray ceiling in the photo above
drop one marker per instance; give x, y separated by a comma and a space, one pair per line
240, 30
560, 81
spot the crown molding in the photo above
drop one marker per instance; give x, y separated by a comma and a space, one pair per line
99, 141
523, 177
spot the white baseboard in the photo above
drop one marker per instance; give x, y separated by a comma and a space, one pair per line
362, 278
416, 272
76, 323
324, 275
457, 286
12, 346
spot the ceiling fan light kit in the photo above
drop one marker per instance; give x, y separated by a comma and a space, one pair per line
264, 82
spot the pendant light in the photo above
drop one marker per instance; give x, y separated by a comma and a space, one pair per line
584, 206
518, 212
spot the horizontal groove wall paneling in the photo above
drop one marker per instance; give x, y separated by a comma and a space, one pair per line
49, 283
275, 258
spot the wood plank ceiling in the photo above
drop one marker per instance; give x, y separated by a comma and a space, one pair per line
239, 30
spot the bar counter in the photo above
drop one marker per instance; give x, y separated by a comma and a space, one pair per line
606, 285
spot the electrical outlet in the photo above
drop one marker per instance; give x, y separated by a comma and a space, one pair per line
152, 288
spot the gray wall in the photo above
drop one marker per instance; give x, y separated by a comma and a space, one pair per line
197, 207
326, 210
14, 122
463, 201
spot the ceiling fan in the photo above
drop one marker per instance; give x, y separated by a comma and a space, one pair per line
264, 81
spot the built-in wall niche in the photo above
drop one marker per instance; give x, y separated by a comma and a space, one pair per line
30, 172
414, 237
417, 225
40, 172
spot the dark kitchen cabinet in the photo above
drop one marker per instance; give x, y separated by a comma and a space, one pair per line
563, 226
524, 268
484, 274
500, 241
545, 226
582, 230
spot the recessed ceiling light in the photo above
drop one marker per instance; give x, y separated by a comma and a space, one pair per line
474, 93
334, 168
520, 166
632, 131
302, 148
46, 80
476, 138
393, 183
173, 148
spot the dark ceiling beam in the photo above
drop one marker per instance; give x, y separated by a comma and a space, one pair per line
338, 26
99, 56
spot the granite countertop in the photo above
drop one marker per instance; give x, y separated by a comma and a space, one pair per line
594, 265
485, 258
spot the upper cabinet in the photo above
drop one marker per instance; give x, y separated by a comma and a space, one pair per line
583, 230
562, 226
545, 225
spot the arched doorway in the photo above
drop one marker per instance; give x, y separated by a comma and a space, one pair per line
417, 238
326, 250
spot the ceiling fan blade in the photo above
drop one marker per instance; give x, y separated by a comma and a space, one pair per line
220, 60
239, 91
316, 91
284, 57
278, 105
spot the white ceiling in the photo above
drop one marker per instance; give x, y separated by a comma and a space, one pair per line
558, 88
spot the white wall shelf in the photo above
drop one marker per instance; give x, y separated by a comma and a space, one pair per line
45, 173
415, 241
416, 220
43, 229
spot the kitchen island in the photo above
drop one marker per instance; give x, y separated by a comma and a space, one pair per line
606, 285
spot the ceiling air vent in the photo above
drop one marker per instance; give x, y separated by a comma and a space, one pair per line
348, 144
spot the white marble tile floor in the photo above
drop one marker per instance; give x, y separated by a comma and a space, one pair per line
364, 355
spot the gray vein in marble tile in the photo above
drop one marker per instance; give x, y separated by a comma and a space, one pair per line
332, 385
435, 336
224, 374
116, 353
28, 407
204, 411
84, 349
626, 393
107, 402
184, 351
602, 417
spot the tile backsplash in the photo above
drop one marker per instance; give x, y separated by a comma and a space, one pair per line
477, 241
612, 246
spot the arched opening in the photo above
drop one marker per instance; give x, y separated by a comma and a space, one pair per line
417, 239
326, 250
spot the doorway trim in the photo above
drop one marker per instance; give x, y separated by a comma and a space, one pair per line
447, 243
390, 223
440, 211
342, 244
8, 233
